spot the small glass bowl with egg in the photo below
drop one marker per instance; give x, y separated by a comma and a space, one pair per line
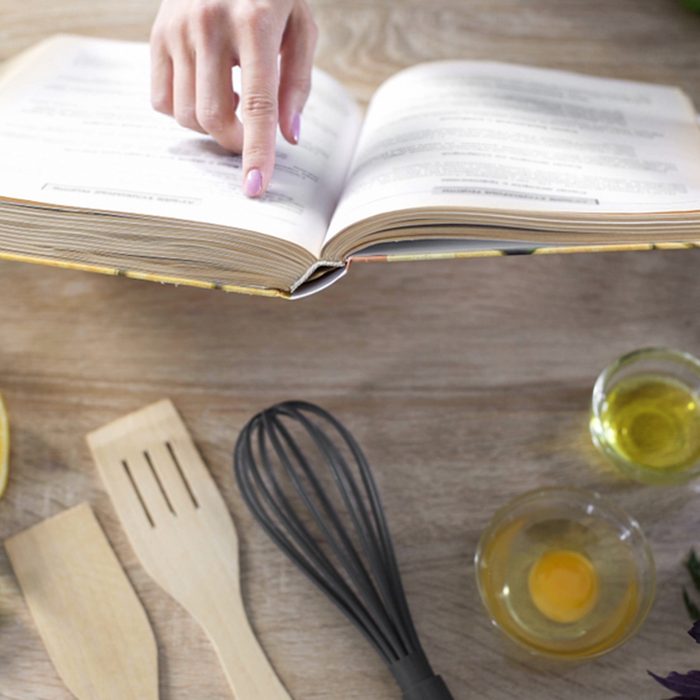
645, 415
564, 573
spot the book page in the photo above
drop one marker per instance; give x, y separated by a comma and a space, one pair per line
77, 130
502, 137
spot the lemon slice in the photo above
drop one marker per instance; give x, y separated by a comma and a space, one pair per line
4, 448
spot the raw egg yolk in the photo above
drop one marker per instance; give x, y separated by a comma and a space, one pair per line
563, 585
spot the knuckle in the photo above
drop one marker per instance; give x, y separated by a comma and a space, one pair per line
168, 37
160, 101
230, 142
208, 17
185, 116
177, 31
211, 119
260, 105
257, 16
157, 37
168, 31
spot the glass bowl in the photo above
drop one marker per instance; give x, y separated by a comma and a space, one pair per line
565, 573
645, 415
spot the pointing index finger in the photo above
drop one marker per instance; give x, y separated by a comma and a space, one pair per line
259, 76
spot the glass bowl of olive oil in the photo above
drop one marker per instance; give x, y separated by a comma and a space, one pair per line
564, 573
645, 415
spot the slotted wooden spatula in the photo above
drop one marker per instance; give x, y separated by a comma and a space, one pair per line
92, 624
179, 526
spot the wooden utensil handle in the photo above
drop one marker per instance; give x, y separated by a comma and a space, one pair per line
247, 668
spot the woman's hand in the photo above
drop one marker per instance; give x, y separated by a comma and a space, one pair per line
195, 44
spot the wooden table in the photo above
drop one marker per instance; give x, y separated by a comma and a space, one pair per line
467, 382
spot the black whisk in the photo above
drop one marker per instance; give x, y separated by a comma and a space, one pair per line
282, 457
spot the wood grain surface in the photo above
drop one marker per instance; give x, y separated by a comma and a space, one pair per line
76, 589
466, 382
180, 528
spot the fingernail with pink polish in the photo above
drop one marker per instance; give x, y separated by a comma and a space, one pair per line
253, 183
296, 127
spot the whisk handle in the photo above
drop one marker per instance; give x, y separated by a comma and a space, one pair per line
432, 688
416, 678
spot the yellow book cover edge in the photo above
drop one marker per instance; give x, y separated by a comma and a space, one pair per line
389, 258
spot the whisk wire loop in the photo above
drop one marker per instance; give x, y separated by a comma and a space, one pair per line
378, 546
368, 532
356, 567
303, 548
336, 536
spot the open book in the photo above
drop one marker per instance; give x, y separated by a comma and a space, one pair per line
451, 158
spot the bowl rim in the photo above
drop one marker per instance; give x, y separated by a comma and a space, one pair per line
636, 470
648, 571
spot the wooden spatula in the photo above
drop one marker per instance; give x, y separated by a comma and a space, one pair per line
181, 530
92, 624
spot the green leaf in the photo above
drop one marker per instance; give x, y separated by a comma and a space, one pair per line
690, 606
692, 5
693, 566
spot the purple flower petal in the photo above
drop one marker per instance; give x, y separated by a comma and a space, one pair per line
694, 631
687, 685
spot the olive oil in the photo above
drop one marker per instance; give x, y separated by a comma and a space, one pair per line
653, 421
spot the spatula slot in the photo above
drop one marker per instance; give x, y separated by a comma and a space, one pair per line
161, 488
191, 546
176, 462
137, 492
